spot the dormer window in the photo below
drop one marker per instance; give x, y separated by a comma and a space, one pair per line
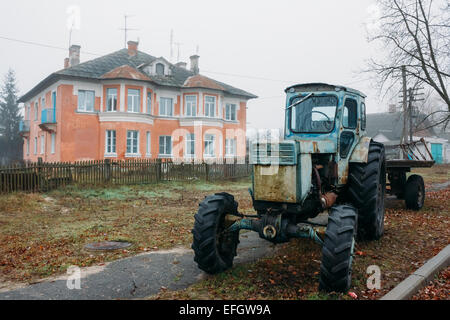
159, 69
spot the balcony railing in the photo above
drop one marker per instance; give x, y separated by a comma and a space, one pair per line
24, 126
48, 116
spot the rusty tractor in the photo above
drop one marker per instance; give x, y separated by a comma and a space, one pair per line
325, 163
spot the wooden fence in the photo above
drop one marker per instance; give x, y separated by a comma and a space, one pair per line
43, 176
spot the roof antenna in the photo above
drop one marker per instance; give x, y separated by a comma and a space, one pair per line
126, 29
171, 45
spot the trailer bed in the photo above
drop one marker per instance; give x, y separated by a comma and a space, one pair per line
398, 163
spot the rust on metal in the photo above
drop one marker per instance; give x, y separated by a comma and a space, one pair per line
328, 199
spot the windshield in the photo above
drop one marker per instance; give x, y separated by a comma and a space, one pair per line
315, 114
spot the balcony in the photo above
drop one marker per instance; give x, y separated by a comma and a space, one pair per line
24, 127
48, 120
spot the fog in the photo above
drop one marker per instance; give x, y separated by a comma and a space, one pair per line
259, 46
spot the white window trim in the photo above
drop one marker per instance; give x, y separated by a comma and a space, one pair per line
109, 154
207, 104
234, 147
164, 155
42, 144
107, 99
133, 155
186, 105
213, 155
172, 107
36, 111
149, 108
85, 106
134, 95
53, 143
28, 147
235, 111
148, 144
186, 155
35, 149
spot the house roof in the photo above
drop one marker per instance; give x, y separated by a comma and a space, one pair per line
119, 64
390, 124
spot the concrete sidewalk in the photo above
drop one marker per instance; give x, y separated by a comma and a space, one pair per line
136, 277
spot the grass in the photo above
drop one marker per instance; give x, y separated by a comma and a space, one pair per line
410, 239
43, 234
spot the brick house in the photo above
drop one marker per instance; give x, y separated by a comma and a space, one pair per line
129, 104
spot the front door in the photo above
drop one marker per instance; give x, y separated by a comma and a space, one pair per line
436, 152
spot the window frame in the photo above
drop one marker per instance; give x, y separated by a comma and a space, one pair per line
190, 105
233, 147
53, 143
149, 102
165, 139
133, 146
111, 142
212, 143
35, 149
165, 99
208, 106
36, 111
135, 98
148, 144
348, 118
190, 144
228, 114
42, 150
85, 100
363, 116
108, 95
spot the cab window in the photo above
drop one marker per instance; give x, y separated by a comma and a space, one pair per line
350, 118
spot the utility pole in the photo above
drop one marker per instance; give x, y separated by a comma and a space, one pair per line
404, 104
410, 113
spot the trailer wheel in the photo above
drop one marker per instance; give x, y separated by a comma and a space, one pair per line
414, 192
337, 250
214, 248
367, 189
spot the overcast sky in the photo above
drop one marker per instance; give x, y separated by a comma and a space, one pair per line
259, 46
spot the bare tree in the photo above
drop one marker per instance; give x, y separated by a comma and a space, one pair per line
415, 34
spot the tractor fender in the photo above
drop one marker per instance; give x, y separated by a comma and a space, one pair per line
360, 153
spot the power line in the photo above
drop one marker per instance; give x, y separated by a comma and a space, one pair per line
45, 45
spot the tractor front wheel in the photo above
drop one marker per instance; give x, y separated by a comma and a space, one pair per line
337, 250
214, 247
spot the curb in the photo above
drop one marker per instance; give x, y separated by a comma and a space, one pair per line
408, 287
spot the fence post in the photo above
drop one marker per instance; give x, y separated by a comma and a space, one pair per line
107, 172
206, 171
158, 169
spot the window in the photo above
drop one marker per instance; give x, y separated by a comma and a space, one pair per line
86, 101
134, 98
27, 116
43, 102
42, 144
313, 114
166, 107
209, 145
160, 69
149, 144
210, 106
190, 145
149, 102
35, 145
165, 146
230, 147
54, 99
191, 106
53, 143
36, 111
363, 116
28, 147
230, 112
110, 142
111, 100
132, 142
350, 114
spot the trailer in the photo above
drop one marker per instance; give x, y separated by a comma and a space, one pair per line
412, 190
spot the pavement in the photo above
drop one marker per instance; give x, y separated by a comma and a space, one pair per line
136, 277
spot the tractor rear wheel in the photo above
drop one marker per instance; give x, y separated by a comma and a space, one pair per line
337, 250
214, 247
367, 189
414, 192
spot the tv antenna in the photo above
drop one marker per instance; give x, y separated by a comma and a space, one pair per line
126, 29
178, 44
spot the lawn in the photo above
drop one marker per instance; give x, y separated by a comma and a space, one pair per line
43, 234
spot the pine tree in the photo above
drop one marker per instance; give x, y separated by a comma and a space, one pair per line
10, 140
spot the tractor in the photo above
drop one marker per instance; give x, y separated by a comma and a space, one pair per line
324, 164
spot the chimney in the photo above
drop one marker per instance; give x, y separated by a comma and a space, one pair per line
194, 64
74, 55
132, 48
392, 108
66, 63
181, 65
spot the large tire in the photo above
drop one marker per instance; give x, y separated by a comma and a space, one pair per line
337, 250
367, 190
214, 249
414, 192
